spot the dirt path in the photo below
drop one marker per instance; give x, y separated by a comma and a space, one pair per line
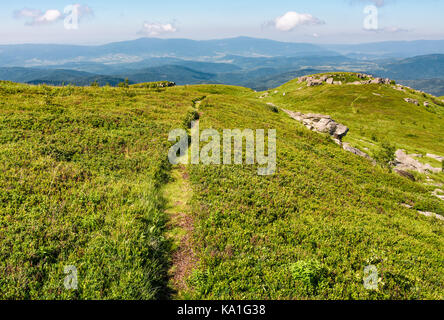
181, 226
178, 193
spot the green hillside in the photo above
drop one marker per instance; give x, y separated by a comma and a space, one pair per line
374, 113
86, 182
81, 172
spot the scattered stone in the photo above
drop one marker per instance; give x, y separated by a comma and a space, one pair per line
434, 156
426, 104
405, 205
337, 83
413, 101
264, 95
356, 151
405, 174
405, 162
439, 194
431, 215
399, 88
330, 81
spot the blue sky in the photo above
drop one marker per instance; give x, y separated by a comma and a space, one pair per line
322, 21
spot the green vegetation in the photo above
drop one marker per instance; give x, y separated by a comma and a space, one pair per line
385, 156
154, 85
86, 182
372, 112
309, 230
81, 175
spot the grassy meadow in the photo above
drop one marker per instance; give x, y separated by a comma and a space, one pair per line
86, 182
308, 231
80, 185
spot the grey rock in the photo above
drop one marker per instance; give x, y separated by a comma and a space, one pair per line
320, 123
405, 162
405, 174
356, 151
434, 156
431, 215
413, 101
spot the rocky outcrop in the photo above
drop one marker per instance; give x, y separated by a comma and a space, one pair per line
320, 123
380, 81
328, 79
325, 124
405, 162
314, 82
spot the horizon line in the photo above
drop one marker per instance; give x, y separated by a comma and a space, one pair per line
215, 39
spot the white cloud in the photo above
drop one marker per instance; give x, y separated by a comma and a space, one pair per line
291, 20
38, 17
35, 17
151, 29
48, 17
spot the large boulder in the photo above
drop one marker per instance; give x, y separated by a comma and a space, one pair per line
320, 123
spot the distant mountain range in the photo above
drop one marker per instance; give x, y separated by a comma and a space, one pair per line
55, 77
256, 63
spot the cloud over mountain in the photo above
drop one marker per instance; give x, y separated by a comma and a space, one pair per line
152, 29
291, 20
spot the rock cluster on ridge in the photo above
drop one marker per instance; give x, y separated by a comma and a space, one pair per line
317, 80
